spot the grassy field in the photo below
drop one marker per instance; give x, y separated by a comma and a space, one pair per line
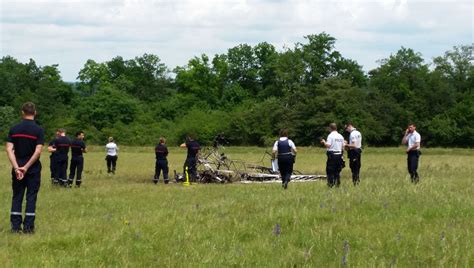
126, 221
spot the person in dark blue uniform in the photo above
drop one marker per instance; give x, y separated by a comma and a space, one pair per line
284, 150
24, 144
161, 152
78, 147
191, 158
52, 158
62, 144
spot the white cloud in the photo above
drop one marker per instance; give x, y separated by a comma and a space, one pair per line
70, 32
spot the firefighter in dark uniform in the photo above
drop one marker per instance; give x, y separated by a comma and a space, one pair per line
24, 144
161, 152
285, 150
78, 147
52, 158
334, 164
62, 144
354, 146
191, 158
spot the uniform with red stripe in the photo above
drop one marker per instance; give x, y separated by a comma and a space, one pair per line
161, 153
24, 139
78, 147
62, 144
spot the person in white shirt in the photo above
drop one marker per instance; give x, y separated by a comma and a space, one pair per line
334, 164
413, 140
284, 150
354, 146
111, 158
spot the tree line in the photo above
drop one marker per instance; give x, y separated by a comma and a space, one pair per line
249, 94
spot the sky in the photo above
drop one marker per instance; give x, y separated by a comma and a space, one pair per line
69, 32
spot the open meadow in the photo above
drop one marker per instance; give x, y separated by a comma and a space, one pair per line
125, 220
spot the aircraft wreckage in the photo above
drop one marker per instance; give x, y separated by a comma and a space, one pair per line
214, 166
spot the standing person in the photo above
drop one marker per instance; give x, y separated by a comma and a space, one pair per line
354, 152
334, 163
161, 152
52, 158
413, 139
285, 150
112, 155
62, 145
78, 147
191, 158
24, 144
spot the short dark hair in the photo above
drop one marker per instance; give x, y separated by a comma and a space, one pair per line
333, 126
412, 124
192, 136
28, 108
284, 133
61, 130
79, 133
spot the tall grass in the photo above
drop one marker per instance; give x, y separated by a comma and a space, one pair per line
125, 220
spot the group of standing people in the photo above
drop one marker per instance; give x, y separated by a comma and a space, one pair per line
59, 149
189, 167
25, 142
285, 151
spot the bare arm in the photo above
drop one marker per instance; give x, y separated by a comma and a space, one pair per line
294, 150
414, 147
51, 149
183, 145
323, 142
349, 144
405, 137
11, 156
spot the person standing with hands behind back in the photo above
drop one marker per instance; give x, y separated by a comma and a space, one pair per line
24, 144
112, 155
285, 151
413, 139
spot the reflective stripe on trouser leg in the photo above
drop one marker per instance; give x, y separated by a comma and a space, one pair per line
19, 188
32, 189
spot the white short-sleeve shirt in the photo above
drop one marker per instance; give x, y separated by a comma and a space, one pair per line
413, 138
336, 142
111, 148
355, 138
290, 142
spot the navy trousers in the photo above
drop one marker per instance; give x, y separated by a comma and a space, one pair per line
61, 169
75, 169
190, 163
355, 163
31, 185
161, 165
111, 163
285, 165
412, 163
333, 169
